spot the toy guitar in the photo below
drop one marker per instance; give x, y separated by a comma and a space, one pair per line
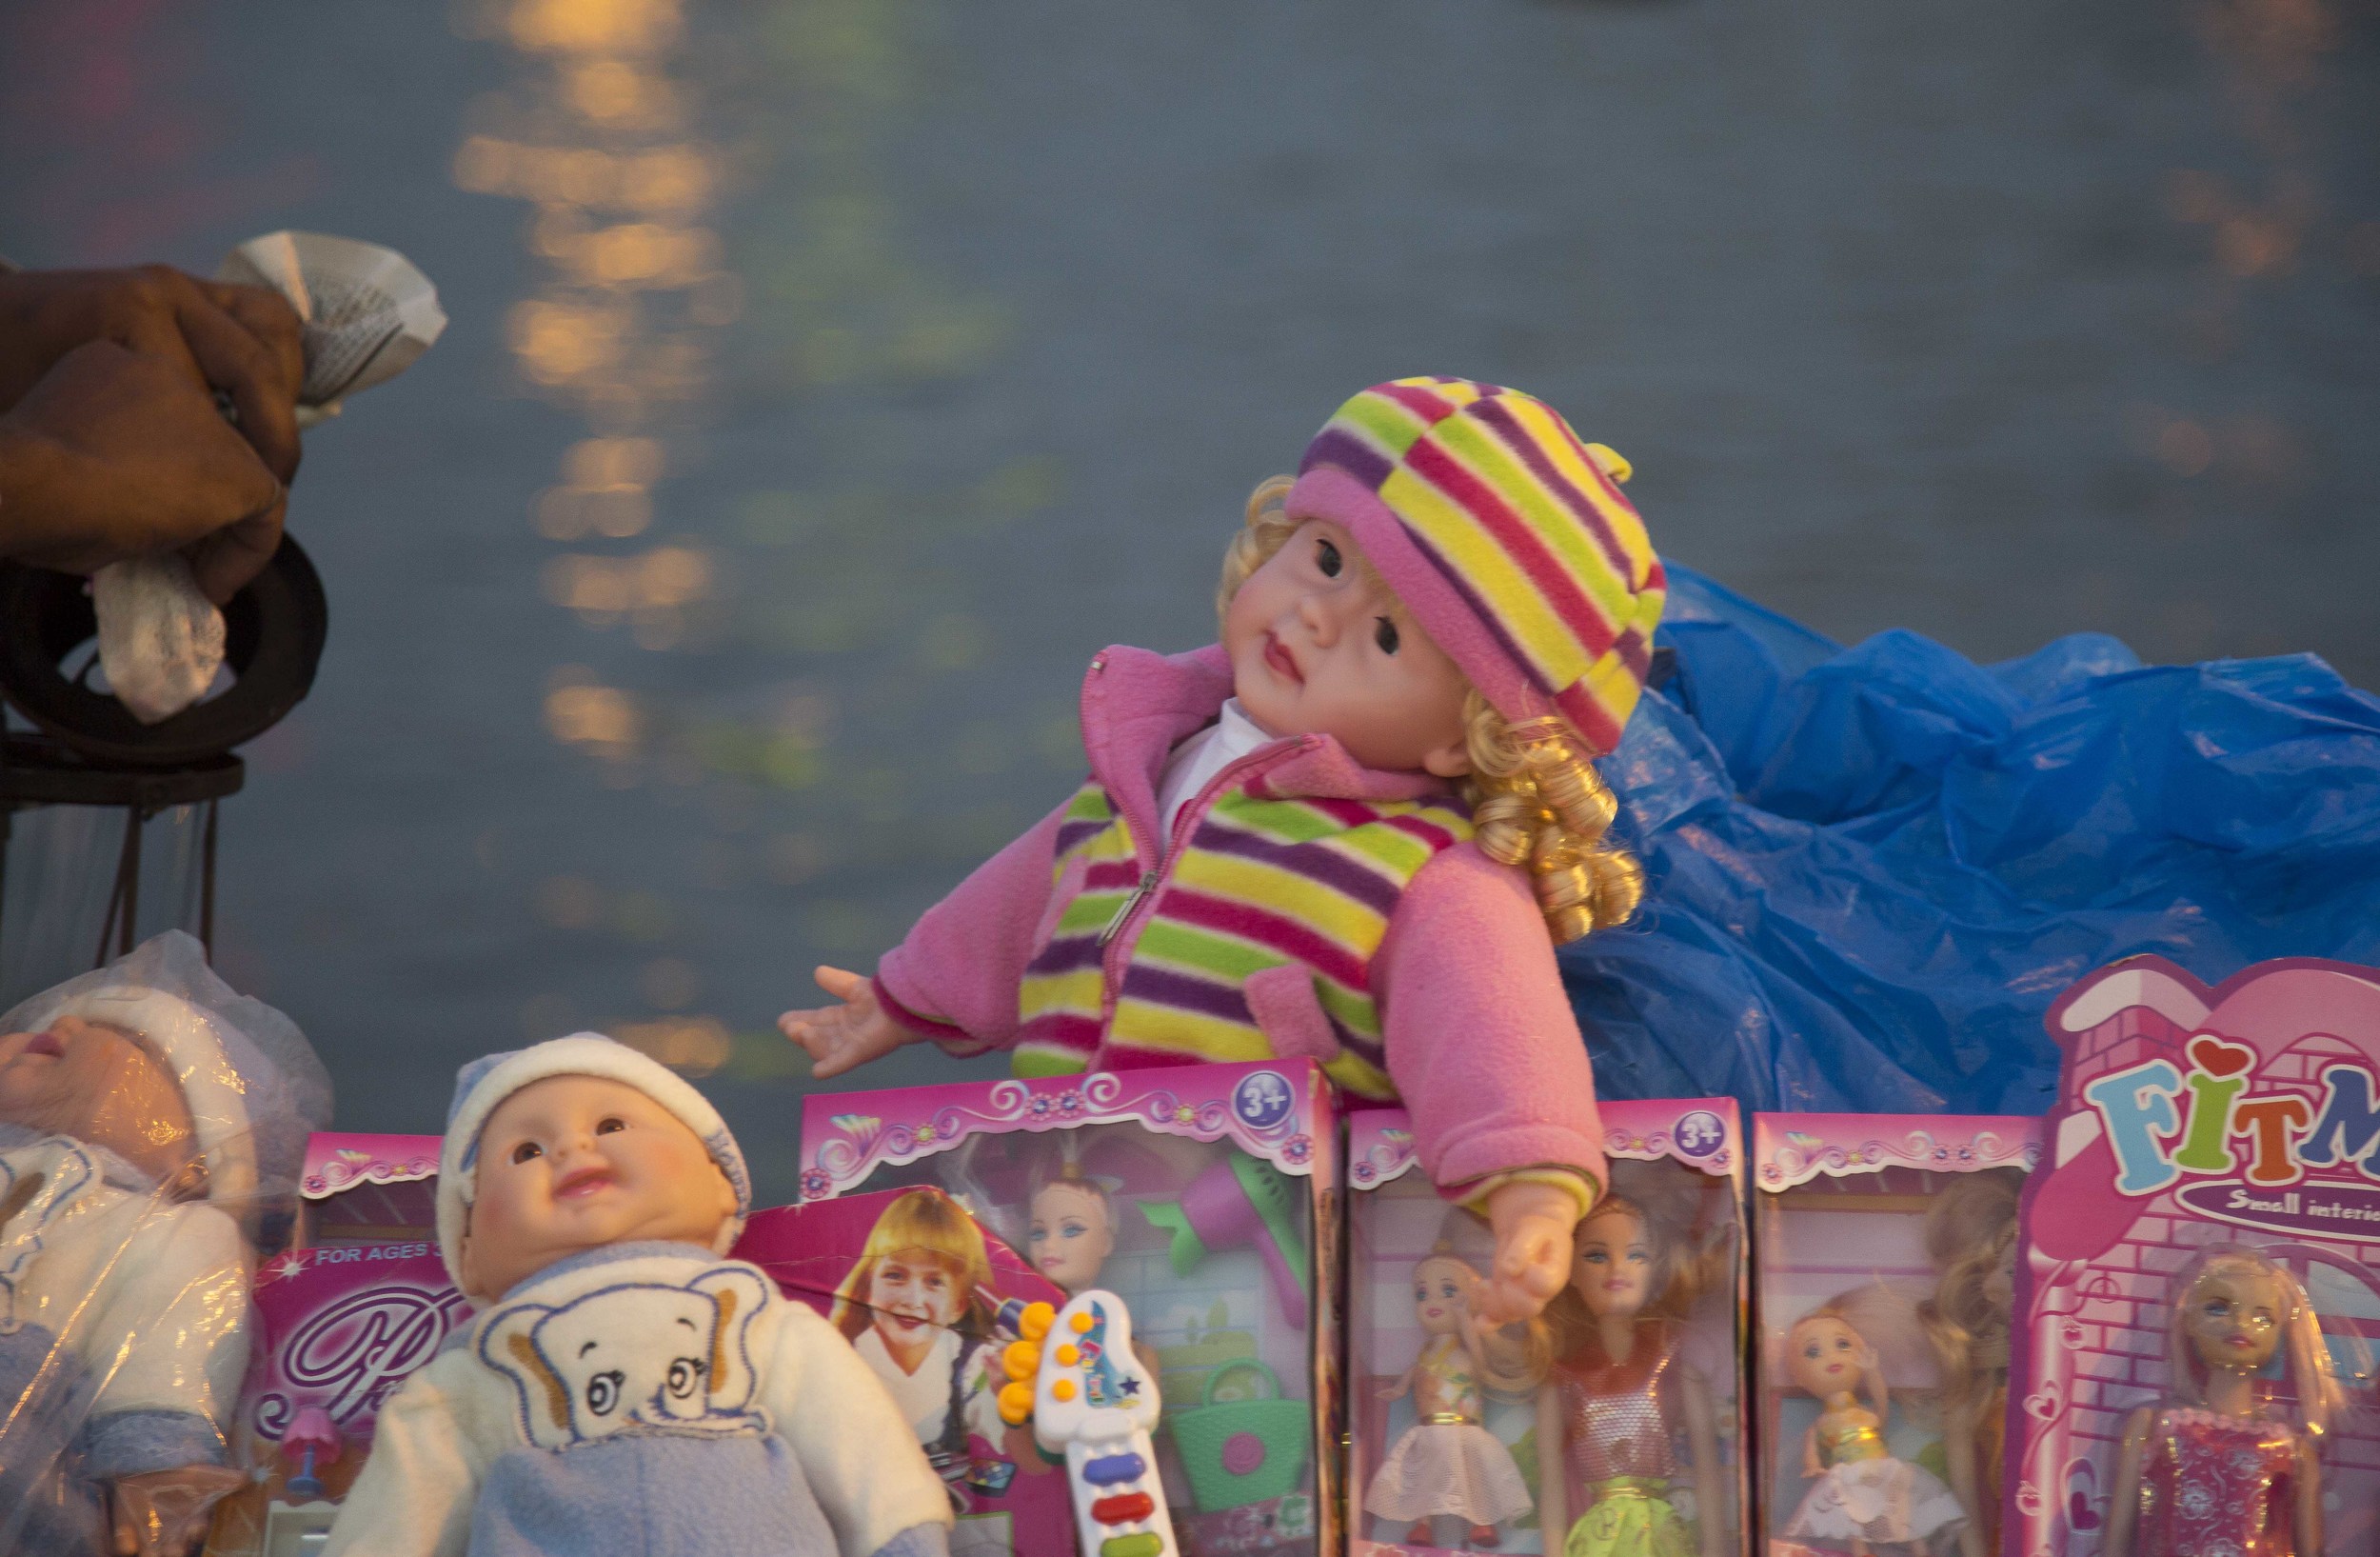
1091, 1400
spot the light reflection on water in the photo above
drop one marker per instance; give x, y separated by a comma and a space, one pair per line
829, 378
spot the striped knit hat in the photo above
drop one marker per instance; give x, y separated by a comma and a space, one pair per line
1504, 535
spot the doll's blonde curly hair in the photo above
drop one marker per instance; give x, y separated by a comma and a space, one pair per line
1536, 799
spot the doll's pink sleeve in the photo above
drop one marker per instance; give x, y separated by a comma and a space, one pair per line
954, 977
1481, 1042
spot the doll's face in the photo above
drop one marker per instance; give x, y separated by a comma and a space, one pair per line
1611, 1265
1441, 1295
1319, 646
1069, 1235
2234, 1318
1825, 1356
574, 1162
101, 1086
914, 1293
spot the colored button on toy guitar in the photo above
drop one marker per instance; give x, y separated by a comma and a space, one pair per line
1146, 1544
1124, 1508
1110, 1468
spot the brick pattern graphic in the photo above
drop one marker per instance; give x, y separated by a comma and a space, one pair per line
2097, 1328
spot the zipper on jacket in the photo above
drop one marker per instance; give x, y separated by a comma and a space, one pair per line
1148, 880
1186, 823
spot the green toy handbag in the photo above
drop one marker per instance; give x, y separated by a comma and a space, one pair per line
1242, 1451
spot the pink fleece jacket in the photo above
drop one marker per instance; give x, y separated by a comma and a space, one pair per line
1480, 1041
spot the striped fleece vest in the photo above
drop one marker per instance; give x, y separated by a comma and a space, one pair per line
1262, 883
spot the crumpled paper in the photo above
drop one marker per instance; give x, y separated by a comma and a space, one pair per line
367, 313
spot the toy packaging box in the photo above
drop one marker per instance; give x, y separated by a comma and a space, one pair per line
1203, 1196
358, 1302
1612, 1426
1885, 1246
2199, 1272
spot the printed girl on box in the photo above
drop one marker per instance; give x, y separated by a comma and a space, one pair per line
913, 1306
1355, 829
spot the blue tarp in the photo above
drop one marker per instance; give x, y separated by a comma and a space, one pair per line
1871, 870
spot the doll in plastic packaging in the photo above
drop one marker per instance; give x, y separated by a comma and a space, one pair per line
1447, 1465
1355, 829
1971, 1236
1863, 1496
2214, 1466
623, 1385
916, 1305
1070, 1228
1617, 1398
146, 1115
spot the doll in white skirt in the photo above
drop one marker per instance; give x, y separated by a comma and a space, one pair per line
1447, 1464
1864, 1497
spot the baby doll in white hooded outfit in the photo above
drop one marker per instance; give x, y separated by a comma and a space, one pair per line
625, 1386
143, 1108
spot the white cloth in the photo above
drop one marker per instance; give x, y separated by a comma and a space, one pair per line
924, 1397
152, 1296
437, 1437
1200, 757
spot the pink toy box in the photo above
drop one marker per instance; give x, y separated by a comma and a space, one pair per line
1884, 1247
1444, 1446
1204, 1196
2199, 1128
342, 1319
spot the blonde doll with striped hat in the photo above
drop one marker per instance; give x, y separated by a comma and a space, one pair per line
1355, 829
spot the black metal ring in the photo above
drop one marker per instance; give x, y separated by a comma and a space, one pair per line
274, 635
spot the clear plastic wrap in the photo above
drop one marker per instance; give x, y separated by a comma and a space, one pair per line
1887, 1246
151, 1125
1609, 1427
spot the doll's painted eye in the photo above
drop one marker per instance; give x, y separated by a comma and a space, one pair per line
527, 1151
1326, 557
1385, 635
1073, 1229
610, 1126
1811, 1350
1039, 1233
603, 1392
684, 1373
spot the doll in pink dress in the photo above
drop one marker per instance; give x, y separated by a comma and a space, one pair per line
1354, 830
1447, 1464
1618, 1402
2214, 1467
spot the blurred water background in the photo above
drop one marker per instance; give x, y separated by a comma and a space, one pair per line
829, 379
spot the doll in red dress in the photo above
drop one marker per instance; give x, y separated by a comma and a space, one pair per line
2215, 1467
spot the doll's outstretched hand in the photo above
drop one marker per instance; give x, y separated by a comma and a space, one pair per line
841, 1038
1533, 1224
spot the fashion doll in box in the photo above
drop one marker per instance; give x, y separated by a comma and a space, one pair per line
1447, 1465
916, 1305
146, 1116
1971, 1236
1617, 1401
1863, 1497
624, 1386
1071, 1228
2214, 1466
1355, 829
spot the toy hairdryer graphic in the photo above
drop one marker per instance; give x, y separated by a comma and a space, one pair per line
312, 1439
1240, 1202
1090, 1398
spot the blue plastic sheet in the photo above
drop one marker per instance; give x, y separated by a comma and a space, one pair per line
1871, 870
